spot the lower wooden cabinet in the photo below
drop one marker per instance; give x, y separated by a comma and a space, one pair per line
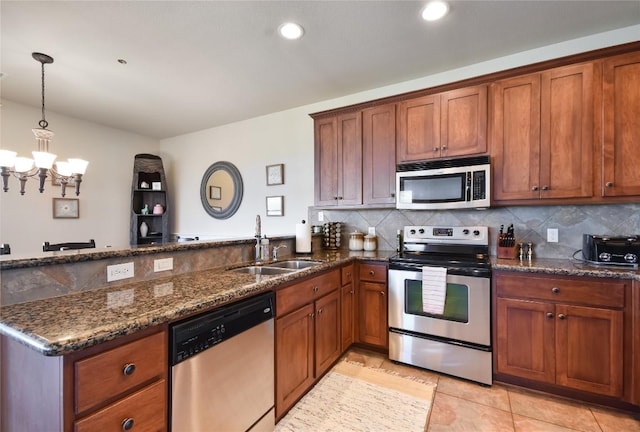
372, 312
308, 338
562, 331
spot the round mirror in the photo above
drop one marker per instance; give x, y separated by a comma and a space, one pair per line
221, 190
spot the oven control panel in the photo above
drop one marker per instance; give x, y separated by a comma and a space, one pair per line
445, 234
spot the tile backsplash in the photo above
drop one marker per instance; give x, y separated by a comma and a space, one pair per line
530, 223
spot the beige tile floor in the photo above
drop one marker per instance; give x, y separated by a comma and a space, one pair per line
460, 405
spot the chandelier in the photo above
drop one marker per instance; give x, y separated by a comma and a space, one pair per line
68, 172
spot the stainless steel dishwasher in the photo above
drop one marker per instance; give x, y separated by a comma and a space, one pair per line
222, 369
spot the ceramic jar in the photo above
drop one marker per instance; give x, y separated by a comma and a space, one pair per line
370, 242
356, 241
157, 209
144, 229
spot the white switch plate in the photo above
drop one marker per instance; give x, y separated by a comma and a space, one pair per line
119, 271
163, 264
552, 235
372, 231
320, 216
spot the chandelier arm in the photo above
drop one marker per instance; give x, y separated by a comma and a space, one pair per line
23, 182
5, 173
77, 178
42, 173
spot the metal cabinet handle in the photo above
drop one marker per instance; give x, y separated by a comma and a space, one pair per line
435, 149
340, 198
549, 315
561, 316
127, 424
535, 188
129, 369
319, 311
608, 184
351, 292
444, 147
371, 273
315, 289
555, 290
545, 187
312, 315
382, 293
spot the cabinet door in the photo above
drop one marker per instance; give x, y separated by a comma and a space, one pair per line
566, 135
418, 135
294, 357
515, 142
621, 147
379, 154
347, 305
526, 339
373, 327
589, 352
350, 159
327, 328
326, 161
464, 121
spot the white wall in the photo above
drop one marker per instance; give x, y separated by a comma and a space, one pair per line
287, 137
105, 195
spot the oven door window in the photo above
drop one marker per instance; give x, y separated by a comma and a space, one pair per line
456, 305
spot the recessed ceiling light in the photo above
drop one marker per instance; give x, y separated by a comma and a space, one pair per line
291, 30
435, 10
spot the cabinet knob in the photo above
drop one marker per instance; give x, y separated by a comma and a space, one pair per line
435, 149
315, 289
129, 369
545, 187
319, 311
535, 188
340, 198
555, 290
349, 274
127, 424
393, 195
351, 292
549, 315
371, 273
444, 147
608, 184
381, 293
561, 316
312, 315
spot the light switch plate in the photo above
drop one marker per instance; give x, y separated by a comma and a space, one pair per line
320, 216
163, 264
552, 235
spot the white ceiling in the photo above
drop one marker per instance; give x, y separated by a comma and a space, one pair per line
194, 65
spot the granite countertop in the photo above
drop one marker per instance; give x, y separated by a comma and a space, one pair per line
60, 325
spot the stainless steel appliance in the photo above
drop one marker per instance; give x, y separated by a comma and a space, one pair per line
222, 369
456, 339
444, 184
611, 250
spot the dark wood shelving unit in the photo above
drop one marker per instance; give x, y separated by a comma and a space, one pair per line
149, 187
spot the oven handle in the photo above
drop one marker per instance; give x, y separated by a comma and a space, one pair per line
462, 271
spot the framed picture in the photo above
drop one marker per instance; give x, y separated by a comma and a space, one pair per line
156, 185
215, 192
275, 205
275, 174
66, 208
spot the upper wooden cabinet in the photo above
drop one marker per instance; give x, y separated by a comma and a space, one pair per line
338, 160
448, 124
379, 154
542, 141
621, 145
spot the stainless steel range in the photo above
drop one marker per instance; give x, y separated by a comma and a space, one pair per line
440, 301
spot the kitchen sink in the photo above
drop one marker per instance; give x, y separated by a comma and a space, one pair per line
263, 270
295, 264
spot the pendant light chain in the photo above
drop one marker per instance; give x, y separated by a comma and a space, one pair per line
43, 123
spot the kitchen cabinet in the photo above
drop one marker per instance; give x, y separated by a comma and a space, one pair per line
373, 326
379, 154
338, 160
148, 191
562, 331
307, 335
542, 142
621, 143
118, 383
348, 307
448, 124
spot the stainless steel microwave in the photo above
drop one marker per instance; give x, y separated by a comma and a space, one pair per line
444, 184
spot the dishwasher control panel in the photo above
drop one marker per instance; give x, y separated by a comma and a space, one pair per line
197, 334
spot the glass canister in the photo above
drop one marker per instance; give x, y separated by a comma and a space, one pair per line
370, 242
356, 241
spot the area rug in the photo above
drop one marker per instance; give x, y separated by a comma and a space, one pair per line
352, 398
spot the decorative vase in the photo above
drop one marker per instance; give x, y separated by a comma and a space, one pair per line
144, 229
157, 209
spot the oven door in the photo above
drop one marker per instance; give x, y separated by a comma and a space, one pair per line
466, 316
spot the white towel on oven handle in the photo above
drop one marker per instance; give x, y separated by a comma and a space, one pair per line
434, 289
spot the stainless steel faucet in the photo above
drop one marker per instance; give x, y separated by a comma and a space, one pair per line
275, 251
258, 236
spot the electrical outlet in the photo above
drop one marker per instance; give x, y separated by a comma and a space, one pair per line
163, 264
552, 235
320, 216
372, 231
119, 271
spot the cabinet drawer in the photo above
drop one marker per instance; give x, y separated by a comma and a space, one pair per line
294, 296
103, 377
145, 410
373, 273
347, 274
586, 291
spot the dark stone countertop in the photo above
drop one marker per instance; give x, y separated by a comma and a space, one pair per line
565, 267
60, 325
